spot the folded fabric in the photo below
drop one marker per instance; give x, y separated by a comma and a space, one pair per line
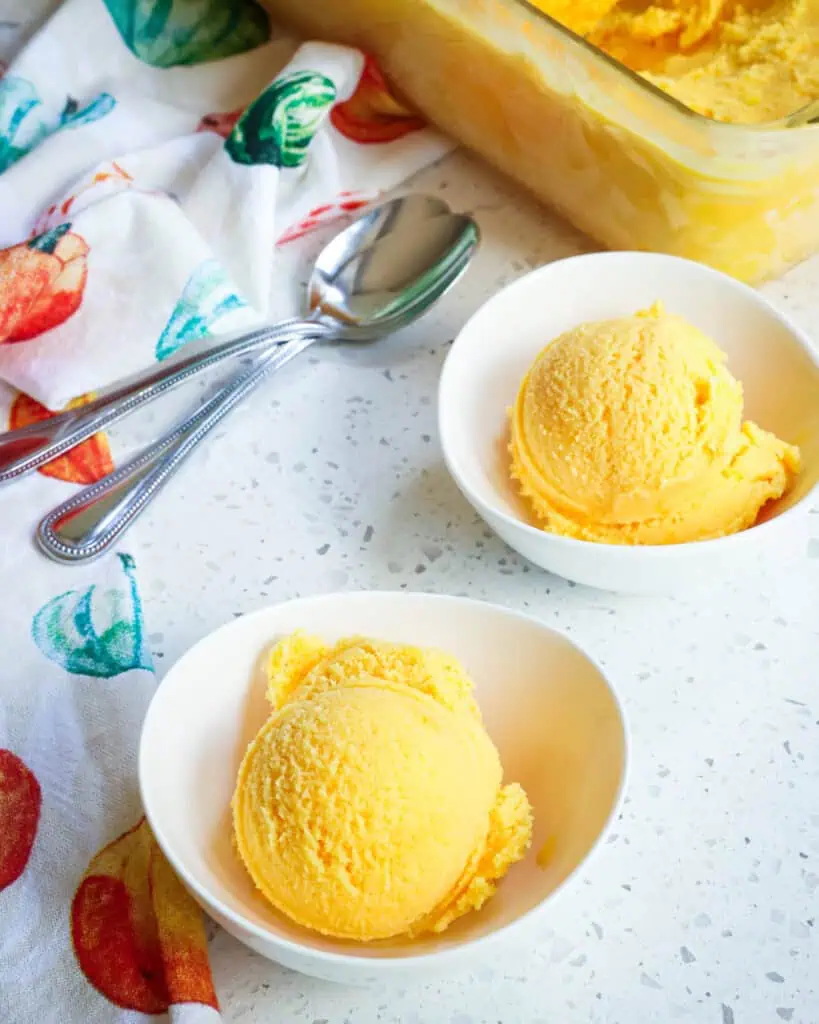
157, 161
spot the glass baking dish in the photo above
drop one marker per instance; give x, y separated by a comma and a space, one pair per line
625, 162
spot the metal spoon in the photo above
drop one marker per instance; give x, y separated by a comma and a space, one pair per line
385, 280
26, 448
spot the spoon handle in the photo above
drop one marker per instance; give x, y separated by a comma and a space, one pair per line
28, 447
86, 525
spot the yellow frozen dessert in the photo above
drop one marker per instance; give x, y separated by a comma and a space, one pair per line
370, 804
739, 62
630, 431
582, 133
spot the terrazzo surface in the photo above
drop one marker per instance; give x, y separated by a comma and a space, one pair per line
703, 905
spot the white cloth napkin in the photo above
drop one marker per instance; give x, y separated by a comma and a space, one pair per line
139, 211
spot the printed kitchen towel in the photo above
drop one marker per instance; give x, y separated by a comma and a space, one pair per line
156, 160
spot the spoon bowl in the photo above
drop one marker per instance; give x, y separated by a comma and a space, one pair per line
388, 266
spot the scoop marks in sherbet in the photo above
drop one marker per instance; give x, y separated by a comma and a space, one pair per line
744, 63
631, 431
371, 803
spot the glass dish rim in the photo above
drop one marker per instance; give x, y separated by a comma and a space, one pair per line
804, 117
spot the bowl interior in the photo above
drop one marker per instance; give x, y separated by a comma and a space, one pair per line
548, 708
497, 346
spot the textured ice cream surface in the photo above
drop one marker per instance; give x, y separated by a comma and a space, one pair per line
744, 63
302, 665
630, 431
371, 802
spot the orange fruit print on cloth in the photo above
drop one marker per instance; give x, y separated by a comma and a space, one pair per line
20, 801
327, 213
86, 463
222, 124
137, 934
111, 177
41, 283
372, 114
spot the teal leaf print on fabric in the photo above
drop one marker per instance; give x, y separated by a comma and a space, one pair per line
22, 122
95, 632
206, 298
279, 125
164, 33
73, 116
25, 121
49, 240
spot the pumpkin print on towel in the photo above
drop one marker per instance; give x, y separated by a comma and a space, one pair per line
207, 298
372, 114
189, 31
279, 125
41, 283
327, 213
106, 181
94, 631
220, 123
20, 801
86, 463
138, 936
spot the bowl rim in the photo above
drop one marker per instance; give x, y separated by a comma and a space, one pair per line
352, 960
668, 552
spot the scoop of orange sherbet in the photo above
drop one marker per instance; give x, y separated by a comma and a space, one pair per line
370, 804
630, 431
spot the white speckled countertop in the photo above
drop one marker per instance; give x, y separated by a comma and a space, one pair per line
704, 905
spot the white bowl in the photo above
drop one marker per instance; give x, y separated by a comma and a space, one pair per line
554, 717
482, 374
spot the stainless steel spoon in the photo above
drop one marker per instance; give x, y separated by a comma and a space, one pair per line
391, 273
26, 448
